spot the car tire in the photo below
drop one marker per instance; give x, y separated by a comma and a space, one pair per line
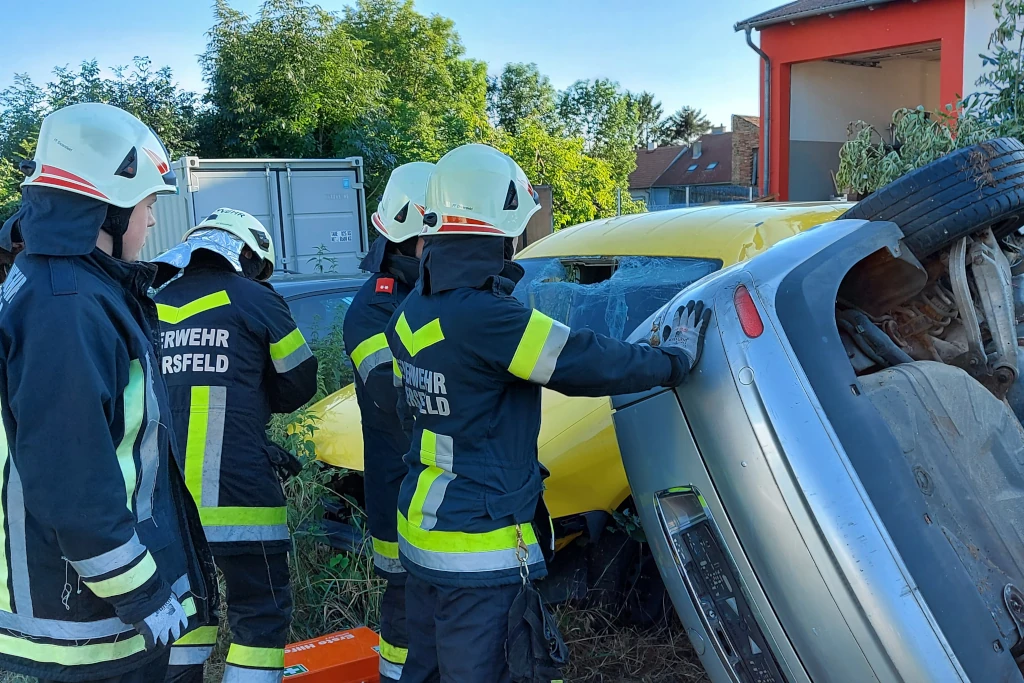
966, 191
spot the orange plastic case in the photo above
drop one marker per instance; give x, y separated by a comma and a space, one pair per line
343, 657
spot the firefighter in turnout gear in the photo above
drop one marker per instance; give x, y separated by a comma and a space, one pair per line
102, 560
473, 530
232, 355
395, 267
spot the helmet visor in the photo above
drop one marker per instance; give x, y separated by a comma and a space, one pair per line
218, 241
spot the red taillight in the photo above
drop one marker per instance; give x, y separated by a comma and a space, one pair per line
750, 319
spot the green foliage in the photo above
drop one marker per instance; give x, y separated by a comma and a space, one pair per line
602, 114
1000, 102
684, 126
521, 92
582, 187
433, 98
648, 113
283, 84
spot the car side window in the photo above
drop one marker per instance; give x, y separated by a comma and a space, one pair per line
321, 315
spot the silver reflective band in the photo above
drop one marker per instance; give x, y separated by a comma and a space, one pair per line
390, 670
293, 359
489, 561
214, 446
19, 551
190, 655
391, 565
372, 361
211, 239
435, 496
63, 630
237, 674
231, 534
553, 346
445, 455
149, 451
111, 560
181, 586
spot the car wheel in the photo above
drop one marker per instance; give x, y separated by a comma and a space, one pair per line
966, 191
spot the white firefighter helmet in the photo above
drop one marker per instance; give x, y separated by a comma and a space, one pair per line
477, 190
100, 151
226, 232
399, 215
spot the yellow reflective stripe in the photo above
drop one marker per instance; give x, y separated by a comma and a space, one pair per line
195, 446
462, 542
531, 345
5, 570
414, 342
239, 516
398, 655
204, 635
125, 582
71, 655
428, 456
377, 342
134, 399
291, 343
388, 549
258, 657
173, 315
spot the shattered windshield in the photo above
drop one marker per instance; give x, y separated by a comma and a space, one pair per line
610, 296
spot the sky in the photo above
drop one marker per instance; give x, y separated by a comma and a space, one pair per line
684, 51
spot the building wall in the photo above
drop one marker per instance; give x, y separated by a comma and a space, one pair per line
979, 22
826, 97
853, 32
745, 139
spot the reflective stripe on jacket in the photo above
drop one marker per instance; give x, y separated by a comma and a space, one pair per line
232, 355
95, 522
384, 442
472, 362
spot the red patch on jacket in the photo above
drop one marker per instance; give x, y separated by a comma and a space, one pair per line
386, 285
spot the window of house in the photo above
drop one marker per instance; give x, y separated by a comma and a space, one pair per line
753, 173
692, 168
713, 165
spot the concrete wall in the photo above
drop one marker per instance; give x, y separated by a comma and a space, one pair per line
826, 97
979, 22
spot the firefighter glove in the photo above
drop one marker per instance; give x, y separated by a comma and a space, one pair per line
165, 625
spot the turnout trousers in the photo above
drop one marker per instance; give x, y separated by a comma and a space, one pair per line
259, 608
457, 635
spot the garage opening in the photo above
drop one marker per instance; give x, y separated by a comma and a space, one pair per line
827, 95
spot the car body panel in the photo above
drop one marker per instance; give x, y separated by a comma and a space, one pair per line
829, 589
577, 440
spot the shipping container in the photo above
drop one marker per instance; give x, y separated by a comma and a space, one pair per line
315, 209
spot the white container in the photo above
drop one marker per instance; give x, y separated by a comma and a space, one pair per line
315, 209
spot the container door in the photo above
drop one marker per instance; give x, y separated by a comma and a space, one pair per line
322, 221
248, 191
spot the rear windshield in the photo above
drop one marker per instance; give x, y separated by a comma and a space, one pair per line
610, 296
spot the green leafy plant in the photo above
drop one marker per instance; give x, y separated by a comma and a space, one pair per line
322, 261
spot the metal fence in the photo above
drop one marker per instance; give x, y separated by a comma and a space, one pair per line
697, 195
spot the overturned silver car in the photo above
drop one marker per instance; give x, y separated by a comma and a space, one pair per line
838, 493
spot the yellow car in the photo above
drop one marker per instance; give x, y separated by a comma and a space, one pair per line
608, 275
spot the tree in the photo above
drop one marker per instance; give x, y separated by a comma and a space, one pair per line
519, 93
649, 113
1001, 101
684, 126
582, 187
433, 97
283, 84
600, 113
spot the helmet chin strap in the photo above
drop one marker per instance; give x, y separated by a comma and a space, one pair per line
116, 225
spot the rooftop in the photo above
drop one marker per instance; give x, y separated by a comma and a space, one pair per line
713, 166
804, 9
650, 164
731, 232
